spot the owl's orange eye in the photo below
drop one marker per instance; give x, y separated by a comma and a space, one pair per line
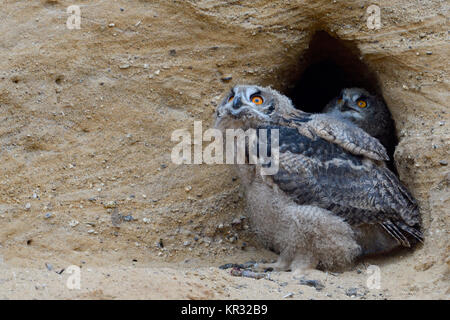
230, 98
361, 103
340, 101
257, 100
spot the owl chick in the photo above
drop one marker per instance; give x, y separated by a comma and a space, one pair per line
365, 111
332, 199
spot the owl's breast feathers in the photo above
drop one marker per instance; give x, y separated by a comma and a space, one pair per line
321, 171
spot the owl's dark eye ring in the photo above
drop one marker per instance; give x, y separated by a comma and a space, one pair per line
257, 100
361, 103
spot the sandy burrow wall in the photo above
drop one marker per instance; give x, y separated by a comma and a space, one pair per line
87, 115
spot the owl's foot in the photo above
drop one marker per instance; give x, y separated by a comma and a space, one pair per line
286, 262
298, 263
268, 267
281, 265
302, 264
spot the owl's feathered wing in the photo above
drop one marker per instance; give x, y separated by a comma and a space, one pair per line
346, 135
315, 171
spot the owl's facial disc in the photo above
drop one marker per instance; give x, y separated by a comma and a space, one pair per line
352, 105
248, 102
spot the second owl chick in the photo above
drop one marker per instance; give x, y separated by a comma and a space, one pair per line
366, 111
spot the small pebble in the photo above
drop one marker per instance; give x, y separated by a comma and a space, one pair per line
236, 221
110, 204
248, 264
312, 283
48, 215
352, 292
73, 223
443, 162
228, 266
247, 274
128, 218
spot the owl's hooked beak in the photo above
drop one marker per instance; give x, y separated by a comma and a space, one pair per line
237, 102
345, 105
237, 106
241, 108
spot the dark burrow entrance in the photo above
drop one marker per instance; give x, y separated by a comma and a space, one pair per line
328, 66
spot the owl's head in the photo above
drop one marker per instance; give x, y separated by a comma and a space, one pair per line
356, 104
248, 106
366, 111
